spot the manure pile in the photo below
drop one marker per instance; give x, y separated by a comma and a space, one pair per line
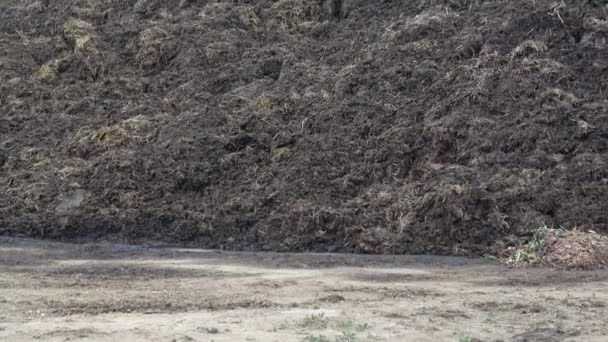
423, 126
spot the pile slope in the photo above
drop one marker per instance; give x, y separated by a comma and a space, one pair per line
425, 126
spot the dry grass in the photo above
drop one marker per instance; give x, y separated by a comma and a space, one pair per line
218, 13
214, 10
280, 153
250, 18
422, 45
547, 67
152, 47
555, 98
48, 71
265, 105
428, 18
596, 25
110, 136
79, 32
295, 14
442, 194
133, 130
529, 48
408, 29
89, 57
90, 8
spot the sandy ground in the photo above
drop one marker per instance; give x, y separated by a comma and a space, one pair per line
65, 292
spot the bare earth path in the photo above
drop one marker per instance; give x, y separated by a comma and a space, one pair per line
64, 292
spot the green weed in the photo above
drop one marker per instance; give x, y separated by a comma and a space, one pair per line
350, 325
347, 336
531, 251
317, 322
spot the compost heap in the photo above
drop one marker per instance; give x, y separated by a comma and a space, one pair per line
425, 126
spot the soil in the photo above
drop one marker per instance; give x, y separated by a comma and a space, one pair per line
578, 250
425, 126
105, 292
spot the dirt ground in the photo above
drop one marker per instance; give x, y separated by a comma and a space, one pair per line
103, 292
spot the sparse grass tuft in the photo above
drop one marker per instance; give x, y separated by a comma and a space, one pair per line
350, 325
48, 71
280, 153
295, 14
315, 321
265, 103
350, 329
136, 130
249, 18
348, 336
345, 336
79, 32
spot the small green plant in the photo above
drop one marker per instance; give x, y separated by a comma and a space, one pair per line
347, 336
282, 326
318, 321
531, 251
350, 325
465, 338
